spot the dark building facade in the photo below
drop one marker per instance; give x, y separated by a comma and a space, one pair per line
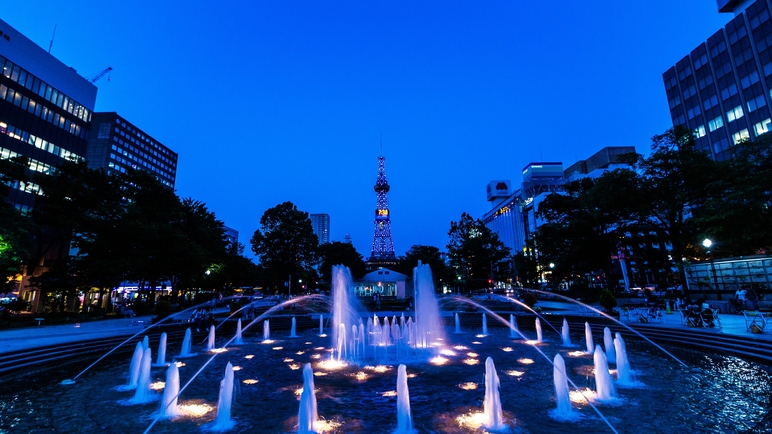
721, 90
116, 145
321, 225
45, 110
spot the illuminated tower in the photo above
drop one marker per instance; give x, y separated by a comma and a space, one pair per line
383, 247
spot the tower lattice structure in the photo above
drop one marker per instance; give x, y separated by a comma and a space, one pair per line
383, 246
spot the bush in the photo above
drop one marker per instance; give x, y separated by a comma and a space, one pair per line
607, 300
163, 309
529, 299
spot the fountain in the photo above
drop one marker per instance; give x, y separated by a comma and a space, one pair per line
169, 407
404, 417
293, 330
563, 411
186, 350
493, 416
604, 387
588, 338
210, 344
321, 324
566, 334
161, 360
608, 343
624, 373
307, 415
458, 324
143, 394
513, 331
222, 421
134, 368
238, 339
484, 325
146, 342
428, 327
345, 306
539, 337
266, 331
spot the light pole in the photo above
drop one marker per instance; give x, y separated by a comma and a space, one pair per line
707, 243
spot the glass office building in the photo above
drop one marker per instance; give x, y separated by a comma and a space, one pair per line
721, 90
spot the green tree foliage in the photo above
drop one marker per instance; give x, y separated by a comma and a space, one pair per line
15, 229
285, 243
235, 271
429, 255
473, 249
337, 253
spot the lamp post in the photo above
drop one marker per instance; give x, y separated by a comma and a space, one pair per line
707, 243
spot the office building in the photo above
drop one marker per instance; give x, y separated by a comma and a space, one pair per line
45, 114
45, 110
721, 90
231, 235
117, 145
321, 225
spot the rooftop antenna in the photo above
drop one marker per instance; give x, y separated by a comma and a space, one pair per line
52, 40
381, 144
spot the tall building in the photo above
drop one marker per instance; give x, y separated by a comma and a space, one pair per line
321, 225
721, 90
231, 235
45, 110
116, 145
383, 246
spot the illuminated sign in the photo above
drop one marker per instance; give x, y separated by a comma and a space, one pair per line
381, 214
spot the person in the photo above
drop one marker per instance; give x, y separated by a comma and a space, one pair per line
740, 295
198, 318
753, 298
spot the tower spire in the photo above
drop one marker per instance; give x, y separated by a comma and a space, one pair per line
383, 246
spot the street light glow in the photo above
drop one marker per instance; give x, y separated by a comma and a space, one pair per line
707, 243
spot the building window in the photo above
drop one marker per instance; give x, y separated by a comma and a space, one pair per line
716, 124
735, 113
755, 103
712, 101
749, 79
762, 127
740, 136
700, 131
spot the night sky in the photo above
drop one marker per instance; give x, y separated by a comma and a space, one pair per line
273, 101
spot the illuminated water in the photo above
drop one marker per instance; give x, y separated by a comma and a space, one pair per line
161, 360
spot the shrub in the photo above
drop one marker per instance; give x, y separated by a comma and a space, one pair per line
529, 299
607, 300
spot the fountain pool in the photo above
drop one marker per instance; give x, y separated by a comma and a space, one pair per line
361, 398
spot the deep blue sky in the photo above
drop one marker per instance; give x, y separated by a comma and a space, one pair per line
272, 101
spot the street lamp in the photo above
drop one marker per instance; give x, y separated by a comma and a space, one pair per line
707, 243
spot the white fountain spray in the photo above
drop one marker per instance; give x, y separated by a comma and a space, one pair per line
566, 334
169, 406
608, 343
458, 324
146, 342
321, 324
186, 351
404, 417
134, 368
293, 329
238, 339
493, 416
513, 327
428, 326
604, 387
588, 338
562, 398
307, 415
624, 373
161, 359
210, 342
266, 330
143, 393
539, 336
484, 325
222, 421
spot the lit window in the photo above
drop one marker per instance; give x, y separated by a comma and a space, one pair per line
735, 113
740, 136
700, 131
755, 103
716, 124
762, 127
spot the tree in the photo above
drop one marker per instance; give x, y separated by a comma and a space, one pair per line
337, 253
15, 229
430, 256
285, 243
473, 250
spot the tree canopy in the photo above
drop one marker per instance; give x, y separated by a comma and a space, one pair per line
473, 250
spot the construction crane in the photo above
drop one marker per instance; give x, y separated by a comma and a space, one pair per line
101, 74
